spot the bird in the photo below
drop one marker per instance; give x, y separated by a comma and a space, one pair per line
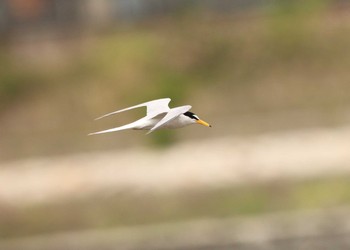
158, 116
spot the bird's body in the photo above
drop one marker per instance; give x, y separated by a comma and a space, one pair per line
159, 116
148, 124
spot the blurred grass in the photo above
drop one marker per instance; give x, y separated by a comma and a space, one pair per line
176, 56
291, 56
130, 208
16, 83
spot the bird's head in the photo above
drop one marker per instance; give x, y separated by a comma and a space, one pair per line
195, 119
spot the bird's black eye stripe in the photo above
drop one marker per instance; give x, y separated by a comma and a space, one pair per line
191, 115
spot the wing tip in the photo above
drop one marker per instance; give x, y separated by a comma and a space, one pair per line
98, 118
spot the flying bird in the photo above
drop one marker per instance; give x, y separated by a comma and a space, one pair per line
159, 116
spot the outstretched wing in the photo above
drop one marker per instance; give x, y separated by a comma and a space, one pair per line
154, 107
171, 115
124, 127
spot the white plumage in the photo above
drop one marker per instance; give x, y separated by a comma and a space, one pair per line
158, 116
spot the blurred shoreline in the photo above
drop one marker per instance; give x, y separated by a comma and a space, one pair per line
316, 229
308, 153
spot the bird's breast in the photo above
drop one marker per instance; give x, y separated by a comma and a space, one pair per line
147, 124
178, 122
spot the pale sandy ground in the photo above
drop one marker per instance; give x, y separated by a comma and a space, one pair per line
208, 163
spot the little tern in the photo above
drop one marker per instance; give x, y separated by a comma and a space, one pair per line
159, 116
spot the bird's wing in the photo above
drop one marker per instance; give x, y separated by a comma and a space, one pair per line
154, 107
171, 115
127, 126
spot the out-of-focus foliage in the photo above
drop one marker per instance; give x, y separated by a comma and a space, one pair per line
15, 82
284, 65
288, 56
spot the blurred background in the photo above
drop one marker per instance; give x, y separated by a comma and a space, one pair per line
272, 77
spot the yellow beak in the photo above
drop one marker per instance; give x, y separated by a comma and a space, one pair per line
203, 123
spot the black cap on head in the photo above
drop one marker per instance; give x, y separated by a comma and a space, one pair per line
191, 115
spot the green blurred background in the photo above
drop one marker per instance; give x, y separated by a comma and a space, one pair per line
250, 68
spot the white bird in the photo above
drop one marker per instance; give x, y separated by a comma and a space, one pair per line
158, 116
